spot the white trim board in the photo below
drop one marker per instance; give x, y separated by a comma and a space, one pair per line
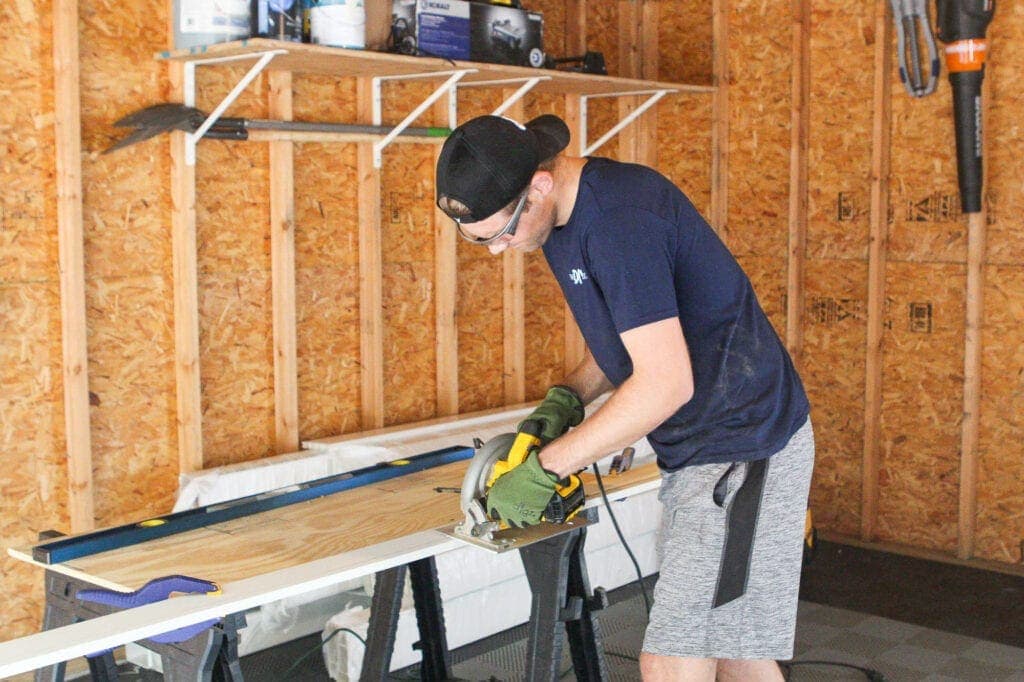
61, 644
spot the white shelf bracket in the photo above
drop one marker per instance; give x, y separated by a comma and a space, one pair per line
446, 87
453, 107
527, 85
654, 96
191, 139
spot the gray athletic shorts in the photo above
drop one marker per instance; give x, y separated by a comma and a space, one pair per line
731, 550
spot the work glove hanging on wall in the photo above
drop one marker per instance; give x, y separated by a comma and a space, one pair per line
560, 410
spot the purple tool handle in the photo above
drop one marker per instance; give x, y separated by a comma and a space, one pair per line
156, 590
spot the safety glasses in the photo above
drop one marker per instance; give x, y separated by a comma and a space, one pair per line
509, 229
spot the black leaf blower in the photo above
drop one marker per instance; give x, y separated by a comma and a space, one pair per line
962, 25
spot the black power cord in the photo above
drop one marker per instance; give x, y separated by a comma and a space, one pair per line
622, 539
319, 646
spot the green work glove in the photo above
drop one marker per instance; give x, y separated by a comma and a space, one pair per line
560, 409
520, 496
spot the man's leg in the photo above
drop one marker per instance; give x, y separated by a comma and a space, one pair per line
731, 550
674, 669
753, 670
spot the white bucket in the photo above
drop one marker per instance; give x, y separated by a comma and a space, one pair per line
339, 23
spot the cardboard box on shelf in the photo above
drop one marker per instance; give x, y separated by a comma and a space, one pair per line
476, 31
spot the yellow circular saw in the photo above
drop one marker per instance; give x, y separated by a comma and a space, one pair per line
493, 459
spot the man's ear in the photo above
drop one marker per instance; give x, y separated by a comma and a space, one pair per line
543, 181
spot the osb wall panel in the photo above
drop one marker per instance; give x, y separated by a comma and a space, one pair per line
131, 354
684, 145
327, 337
326, 264
407, 241
544, 303
603, 113
478, 308
841, 114
479, 312
925, 203
999, 534
554, 25
31, 441
833, 372
545, 327
1004, 134
235, 323
759, 115
236, 366
31, 409
768, 276
922, 393
684, 41
125, 206
603, 32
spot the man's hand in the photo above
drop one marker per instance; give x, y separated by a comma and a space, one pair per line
560, 409
520, 496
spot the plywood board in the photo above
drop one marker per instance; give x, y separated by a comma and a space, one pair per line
1004, 159
1000, 493
237, 366
555, 13
602, 33
126, 207
768, 276
684, 141
759, 111
545, 328
131, 351
922, 403
327, 277
684, 41
839, 201
407, 238
328, 342
835, 315
479, 310
308, 531
927, 224
34, 477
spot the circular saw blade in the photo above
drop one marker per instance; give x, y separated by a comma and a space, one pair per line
474, 483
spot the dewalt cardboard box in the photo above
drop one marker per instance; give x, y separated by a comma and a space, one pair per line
474, 31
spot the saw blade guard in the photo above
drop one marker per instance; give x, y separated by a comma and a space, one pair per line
474, 483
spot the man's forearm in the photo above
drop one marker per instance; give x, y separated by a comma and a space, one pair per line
630, 414
588, 380
662, 381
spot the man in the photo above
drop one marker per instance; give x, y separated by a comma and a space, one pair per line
673, 326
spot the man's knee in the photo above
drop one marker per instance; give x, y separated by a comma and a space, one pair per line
749, 670
655, 668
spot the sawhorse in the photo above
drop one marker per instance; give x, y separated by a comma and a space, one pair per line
562, 603
193, 660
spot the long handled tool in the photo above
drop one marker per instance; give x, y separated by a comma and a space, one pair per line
161, 118
962, 25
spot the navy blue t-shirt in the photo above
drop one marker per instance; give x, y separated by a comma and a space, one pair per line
636, 251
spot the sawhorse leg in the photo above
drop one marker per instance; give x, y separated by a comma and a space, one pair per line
384, 612
562, 603
190, 661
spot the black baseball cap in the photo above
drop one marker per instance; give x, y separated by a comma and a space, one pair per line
488, 161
